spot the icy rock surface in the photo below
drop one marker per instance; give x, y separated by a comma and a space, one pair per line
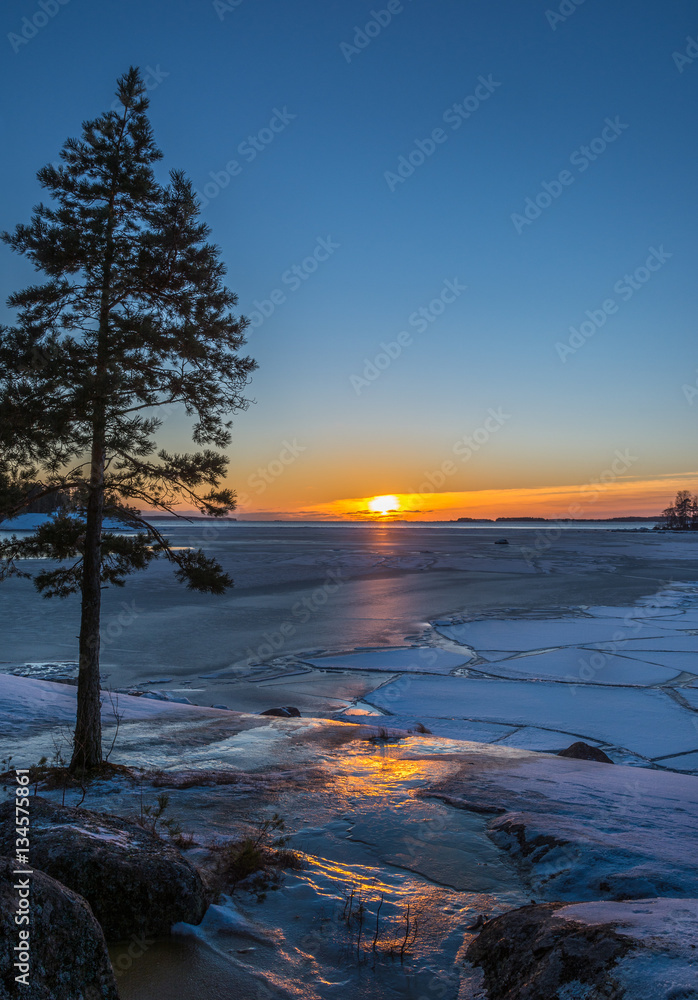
643, 950
583, 830
135, 882
454, 829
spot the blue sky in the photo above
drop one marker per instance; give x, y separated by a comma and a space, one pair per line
342, 117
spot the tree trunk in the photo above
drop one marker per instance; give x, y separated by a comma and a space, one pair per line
87, 740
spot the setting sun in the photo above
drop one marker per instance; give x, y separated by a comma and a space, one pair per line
384, 505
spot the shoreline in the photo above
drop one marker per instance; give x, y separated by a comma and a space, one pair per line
463, 832
639, 658
317, 620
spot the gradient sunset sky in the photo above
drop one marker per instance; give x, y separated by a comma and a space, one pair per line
416, 203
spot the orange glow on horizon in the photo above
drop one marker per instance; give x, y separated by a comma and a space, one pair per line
619, 498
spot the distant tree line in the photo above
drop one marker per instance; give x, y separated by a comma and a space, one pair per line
41, 504
683, 513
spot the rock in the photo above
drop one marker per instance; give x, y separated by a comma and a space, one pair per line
528, 954
286, 712
564, 858
502, 541
582, 751
590, 951
134, 882
68, 954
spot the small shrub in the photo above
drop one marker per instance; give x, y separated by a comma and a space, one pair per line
151, 818
256, 863
419, 727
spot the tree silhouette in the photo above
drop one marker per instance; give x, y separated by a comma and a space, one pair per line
683, 513
133, 314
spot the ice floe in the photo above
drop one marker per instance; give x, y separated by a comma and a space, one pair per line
669, 643
411, 659
682, 762
619, 611
522, 634
602, 673
678, 662
578, 666
691, 696
647, 722
452, 729
540, 740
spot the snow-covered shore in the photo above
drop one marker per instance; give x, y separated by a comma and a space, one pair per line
455, 829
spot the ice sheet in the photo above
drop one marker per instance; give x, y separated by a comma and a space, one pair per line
668, 643
524, 634
683, 662
540, 740
581, 666
686, 762
30, 522
422, 659
621, 611
648, 722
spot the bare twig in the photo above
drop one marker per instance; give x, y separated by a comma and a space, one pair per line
360, 914
375, 936
118, 716
407, 934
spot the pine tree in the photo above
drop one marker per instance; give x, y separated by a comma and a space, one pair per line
683, 513
133, 314
683, 508
669, 515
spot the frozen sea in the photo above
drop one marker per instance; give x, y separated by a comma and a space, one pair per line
559, 635
564, 633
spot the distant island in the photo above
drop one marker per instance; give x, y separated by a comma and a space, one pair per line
557, 520
682, 515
